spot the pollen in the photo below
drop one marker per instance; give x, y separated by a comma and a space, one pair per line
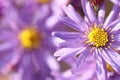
43, 1
98, 37
29, 38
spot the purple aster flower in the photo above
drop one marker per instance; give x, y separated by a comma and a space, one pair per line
95, 36
25, 45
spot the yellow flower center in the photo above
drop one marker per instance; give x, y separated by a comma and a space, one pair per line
29, 38
43, 1
109, 68
98, 37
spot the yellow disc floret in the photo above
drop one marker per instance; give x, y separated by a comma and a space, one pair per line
43, 1
29, 38
98, 37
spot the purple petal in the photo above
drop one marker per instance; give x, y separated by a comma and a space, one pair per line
112, 25
5, 59
68, 35
116, 27
91, 13
113, 14
83, 55
6, 35
101, 66
116, 44
71, 44
101, 13
6, 46
43, 68
71, 23
80, 20
71, 13
27, 67
12, 18
66, 52
112, 58
83, 2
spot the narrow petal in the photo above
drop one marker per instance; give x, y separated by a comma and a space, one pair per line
12, 18
71, 23
116, 27
68, 35
66, 52
71, 13
27, 67
83, 55
90, 12
80, 20
5, 46
43, 68
101, 13
83, 2
71, 44
112, 58
116, 44
101, 66
112, 25
113, 14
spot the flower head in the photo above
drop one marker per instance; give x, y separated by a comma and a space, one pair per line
94, 35
26, 42
29, 38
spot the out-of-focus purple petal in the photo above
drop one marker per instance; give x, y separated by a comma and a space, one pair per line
66, 52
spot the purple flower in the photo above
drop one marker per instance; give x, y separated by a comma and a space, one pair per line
94, 35
26, 42
80, 73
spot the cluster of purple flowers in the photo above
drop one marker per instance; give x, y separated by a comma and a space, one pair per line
88, 41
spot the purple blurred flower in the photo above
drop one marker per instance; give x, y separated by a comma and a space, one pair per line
93, 36
26, 42
80, 73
